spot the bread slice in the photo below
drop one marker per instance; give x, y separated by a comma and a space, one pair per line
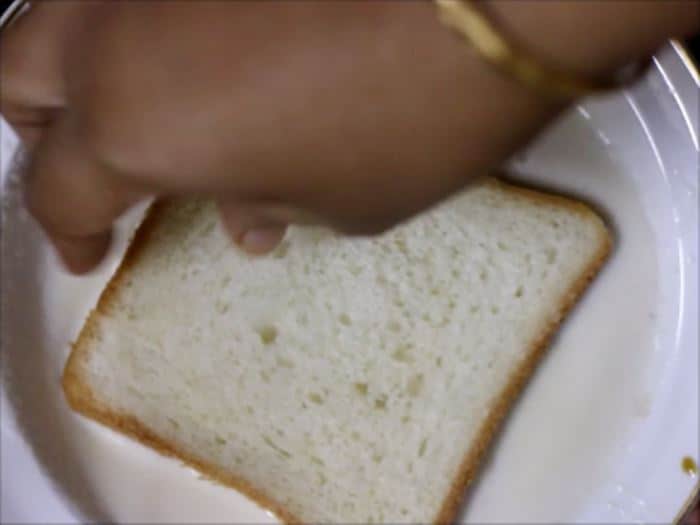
336, 380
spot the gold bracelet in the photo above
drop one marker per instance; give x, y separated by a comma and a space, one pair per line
464, 17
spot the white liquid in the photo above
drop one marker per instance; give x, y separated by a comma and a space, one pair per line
560, 445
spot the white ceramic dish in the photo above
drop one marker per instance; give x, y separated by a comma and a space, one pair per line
598, 436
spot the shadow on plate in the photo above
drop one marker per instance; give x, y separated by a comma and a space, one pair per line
29, 376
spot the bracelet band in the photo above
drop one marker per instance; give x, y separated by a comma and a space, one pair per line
465, 18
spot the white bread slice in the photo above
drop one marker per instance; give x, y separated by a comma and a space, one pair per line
337, 380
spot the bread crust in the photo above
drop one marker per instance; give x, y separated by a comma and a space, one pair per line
82, 399
517, 382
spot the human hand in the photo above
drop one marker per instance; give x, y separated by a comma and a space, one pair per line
351, 114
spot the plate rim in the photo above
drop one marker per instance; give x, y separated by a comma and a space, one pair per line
679, 52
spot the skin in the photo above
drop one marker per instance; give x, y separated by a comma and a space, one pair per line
356, 115
284, 112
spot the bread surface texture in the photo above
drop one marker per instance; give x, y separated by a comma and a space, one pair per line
336, 380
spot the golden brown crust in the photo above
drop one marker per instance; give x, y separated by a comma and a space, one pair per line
71, 380
518, 381
71, 372
81, 398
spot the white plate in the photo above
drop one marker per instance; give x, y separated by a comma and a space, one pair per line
599, 434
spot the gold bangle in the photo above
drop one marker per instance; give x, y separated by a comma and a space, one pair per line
487, 41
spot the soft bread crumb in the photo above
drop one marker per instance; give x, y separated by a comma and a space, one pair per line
336, 380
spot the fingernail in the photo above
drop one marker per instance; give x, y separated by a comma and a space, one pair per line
259, 241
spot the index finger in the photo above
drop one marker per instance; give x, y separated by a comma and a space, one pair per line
74, 197
32, 87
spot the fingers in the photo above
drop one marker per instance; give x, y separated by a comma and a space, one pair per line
694, 518
262, 239
32, 87
257, 229
74, 197
80, 254
71, 195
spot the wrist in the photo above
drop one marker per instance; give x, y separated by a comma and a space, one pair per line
593, 39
